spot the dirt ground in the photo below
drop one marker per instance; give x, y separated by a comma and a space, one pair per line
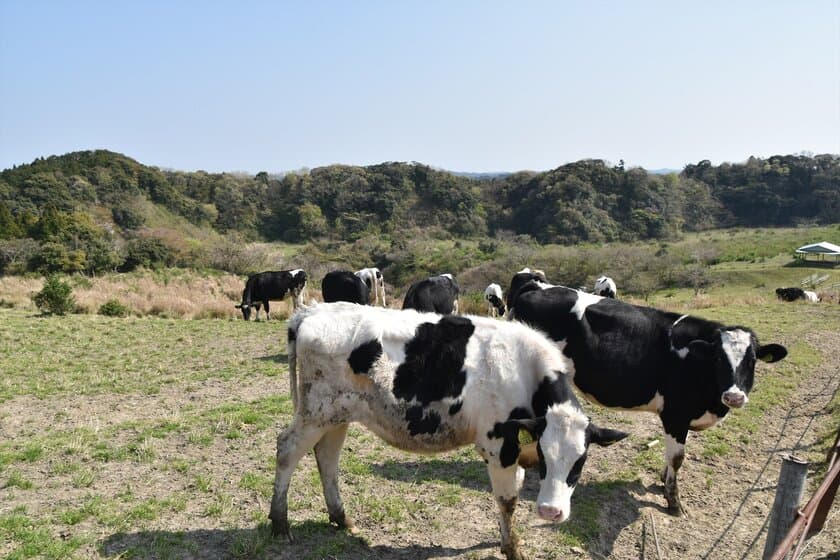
728, 499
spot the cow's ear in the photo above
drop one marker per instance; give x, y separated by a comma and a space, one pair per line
604, 436
771, 353
533, 427
701, 349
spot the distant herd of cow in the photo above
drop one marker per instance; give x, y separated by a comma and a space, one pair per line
428, 380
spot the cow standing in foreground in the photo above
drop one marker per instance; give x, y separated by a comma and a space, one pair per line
689, 371
373, 279
437, 294
495, 304
343, 285
429, 383
271, 285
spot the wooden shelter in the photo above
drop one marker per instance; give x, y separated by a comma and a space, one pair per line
821, 252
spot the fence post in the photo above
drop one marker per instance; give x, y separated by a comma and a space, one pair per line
786, 504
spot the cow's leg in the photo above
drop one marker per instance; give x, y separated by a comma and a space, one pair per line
292, 444
506, 483
675, 436
327, 451
257, 307
267, 316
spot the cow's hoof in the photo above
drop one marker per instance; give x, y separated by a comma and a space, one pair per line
280, 528
344, 522
676, 509
513, 553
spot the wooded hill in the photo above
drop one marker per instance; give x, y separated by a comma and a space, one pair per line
90, 211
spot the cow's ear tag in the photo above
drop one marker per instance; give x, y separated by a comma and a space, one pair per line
525, 437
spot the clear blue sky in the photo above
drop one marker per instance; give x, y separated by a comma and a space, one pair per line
463, 85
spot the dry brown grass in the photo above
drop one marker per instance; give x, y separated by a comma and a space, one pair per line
186, 296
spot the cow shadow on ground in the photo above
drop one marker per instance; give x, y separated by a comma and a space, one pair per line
281, 358
313, 540
601, 510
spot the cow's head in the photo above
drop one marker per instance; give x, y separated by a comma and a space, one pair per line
732, 355
563, 436
296, 285
246, 310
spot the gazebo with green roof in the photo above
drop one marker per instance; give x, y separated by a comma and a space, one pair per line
823, 252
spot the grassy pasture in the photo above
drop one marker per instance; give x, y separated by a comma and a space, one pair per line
153, 437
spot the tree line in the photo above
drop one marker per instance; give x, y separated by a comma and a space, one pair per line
95, 211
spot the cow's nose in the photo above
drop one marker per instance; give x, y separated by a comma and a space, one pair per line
734, 400
551, 513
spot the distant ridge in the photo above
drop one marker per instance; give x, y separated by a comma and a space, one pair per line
482, 175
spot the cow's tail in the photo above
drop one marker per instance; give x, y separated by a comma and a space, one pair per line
293, 385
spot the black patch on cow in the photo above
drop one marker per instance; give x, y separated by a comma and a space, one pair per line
549, 392
292, 335
434, 360
422, 421
364, 356
510, 434
455, 408
543, 468
577, 468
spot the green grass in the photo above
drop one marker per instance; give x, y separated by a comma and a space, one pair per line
147, 483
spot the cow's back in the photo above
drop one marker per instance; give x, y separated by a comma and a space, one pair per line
599, 333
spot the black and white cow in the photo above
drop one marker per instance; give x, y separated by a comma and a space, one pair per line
793, 294
689, 371
605, 286
343, 285
437, 294
268, 286
519, 280
373, 279
495, 304
429, 383
790, 294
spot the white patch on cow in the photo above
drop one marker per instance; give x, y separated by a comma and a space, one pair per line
707, 420
295, 271
569, 365
656, 404
493, 290
605, 284
811, 296
447, 275
584, 300
562, 444
374, 279
735, 345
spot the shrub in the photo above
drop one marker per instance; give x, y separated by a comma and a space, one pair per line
56, 297
113, 308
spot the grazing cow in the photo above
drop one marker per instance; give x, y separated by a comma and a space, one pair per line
271, 285
429, 383
520, 279
790, 294
372, 277
438, 294
689, 371
604, 286
495, 305
343, 285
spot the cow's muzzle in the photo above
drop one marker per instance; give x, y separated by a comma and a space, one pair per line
734, 399
551, 513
